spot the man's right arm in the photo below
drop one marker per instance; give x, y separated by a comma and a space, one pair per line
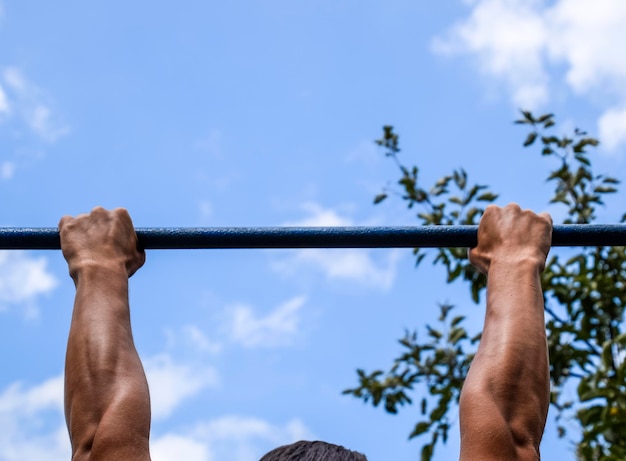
504, 401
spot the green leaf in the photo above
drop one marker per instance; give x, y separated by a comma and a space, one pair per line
454, 274
456, 334
528, 117
420, 428
547, 140
471, 215
444, 311
487, 197
544, 118
604, 190
379, 198
433, 333
460, 178
530, 139
607, 354
590, 415
582, 159
427, 452
457, 320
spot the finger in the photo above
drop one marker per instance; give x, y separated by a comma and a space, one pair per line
82, 216
64, 221
123, 214
545, 215
99, 216
490, 209
514, 206
98, 210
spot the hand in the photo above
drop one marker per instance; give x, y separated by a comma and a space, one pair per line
512, 233
101, 238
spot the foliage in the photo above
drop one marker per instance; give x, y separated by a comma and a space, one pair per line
584, 298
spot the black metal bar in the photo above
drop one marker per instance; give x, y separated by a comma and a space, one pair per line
315, 237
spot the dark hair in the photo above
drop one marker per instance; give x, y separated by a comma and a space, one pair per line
312, 451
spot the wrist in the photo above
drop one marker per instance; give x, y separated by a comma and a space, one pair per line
518, 261
87, 269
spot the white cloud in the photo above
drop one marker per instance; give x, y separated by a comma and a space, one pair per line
612, 126
173, 446
7, 170
172, 382
345, 264
319, 216
40, 121
33, 427
241, 438
231, 437
278, 328
32, 422
365, 153
191, 340
239, 428
200, 341
508, 38
13, 77
4, 103
589, 38
31, 105
244, 438
23, 279
524, 43
206, 209
48, 395
357, 265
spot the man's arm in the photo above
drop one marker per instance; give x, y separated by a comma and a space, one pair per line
107, 404
505, 398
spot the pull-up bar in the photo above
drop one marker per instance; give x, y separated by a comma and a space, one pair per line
13, 238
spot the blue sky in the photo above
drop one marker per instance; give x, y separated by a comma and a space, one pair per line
263, 113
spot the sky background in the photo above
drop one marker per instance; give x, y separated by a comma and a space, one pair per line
253, 113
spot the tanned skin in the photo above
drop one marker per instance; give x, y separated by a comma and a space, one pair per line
107, 405
505, 398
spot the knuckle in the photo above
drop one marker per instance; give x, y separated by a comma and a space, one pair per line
122, 213
65, 221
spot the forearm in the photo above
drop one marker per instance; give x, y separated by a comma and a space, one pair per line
510, 375
105, 386
515, 348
